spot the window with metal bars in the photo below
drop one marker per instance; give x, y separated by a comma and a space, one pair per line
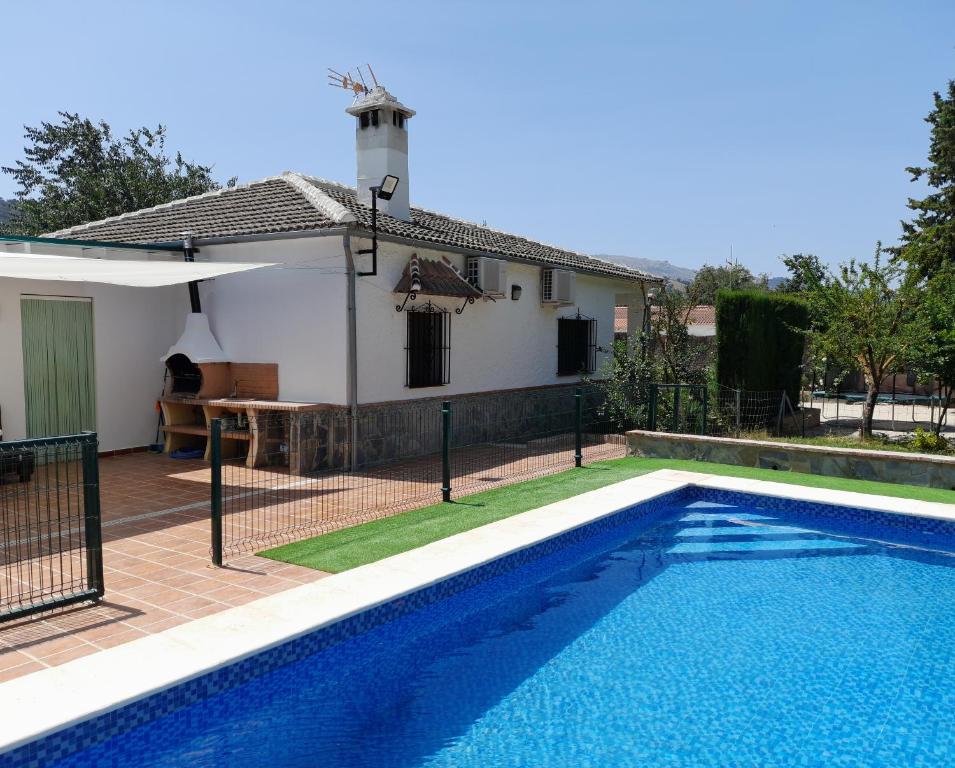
576, 345
429, 347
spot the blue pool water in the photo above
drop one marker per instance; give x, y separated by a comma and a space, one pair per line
709, 633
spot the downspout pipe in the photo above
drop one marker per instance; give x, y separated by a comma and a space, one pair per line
189, 251
351, 375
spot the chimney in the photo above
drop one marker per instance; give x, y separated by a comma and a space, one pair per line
381, 141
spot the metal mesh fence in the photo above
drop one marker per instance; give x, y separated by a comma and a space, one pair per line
720, 411
50, 542
297, 474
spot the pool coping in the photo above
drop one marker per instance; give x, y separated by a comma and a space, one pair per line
50, 700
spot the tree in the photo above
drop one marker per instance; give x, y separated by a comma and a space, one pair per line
866, 315
928, 241
799, 265
760, 339
663, 352
76, 171
933, 359
681, 359
710, 280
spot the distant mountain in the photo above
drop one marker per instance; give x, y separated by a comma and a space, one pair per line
656, 267
775, 282
679, 276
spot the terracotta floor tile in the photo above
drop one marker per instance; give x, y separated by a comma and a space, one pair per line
157, 550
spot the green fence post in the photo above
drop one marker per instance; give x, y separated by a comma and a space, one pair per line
91, 513
705, 403
446, 450
215, 435
676, 408
578, 427
652, 409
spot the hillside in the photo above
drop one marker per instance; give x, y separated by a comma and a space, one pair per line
658, 267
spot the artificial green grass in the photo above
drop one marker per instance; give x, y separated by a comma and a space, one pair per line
350, 547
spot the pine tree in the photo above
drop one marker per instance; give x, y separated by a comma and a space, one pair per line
928, 241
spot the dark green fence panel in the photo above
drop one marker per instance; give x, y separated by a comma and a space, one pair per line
51, 542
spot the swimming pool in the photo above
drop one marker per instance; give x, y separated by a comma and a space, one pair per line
702, 627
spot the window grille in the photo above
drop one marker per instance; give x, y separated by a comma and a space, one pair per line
429, 347
576, 345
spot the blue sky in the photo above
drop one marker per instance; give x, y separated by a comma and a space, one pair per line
671, 130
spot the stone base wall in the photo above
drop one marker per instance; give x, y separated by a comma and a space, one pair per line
883, 466
387, 432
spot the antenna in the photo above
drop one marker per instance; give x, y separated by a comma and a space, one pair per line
357, 86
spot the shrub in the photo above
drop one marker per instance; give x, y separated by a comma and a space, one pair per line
760, 339
929, 442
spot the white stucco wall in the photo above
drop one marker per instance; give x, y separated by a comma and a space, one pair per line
494, 345
293, 315
133, 328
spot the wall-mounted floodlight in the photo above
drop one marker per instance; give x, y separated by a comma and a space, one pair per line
387, 187
384, 190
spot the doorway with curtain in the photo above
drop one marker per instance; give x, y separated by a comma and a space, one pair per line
58, 365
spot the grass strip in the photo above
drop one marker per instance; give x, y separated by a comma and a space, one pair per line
350, 547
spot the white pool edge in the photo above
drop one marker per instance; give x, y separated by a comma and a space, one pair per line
47, 701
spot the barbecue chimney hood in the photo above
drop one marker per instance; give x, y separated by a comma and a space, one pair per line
197, 342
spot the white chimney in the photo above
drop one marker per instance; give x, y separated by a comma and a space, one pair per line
381, 139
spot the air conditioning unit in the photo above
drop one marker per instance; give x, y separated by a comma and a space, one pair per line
557, 286
490, 275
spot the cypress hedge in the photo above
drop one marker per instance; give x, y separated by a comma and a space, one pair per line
759, 343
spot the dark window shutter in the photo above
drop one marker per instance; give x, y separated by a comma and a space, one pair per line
576, 345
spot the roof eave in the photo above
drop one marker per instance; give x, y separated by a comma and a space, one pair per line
446, 248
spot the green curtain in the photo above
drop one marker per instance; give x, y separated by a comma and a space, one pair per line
58, 376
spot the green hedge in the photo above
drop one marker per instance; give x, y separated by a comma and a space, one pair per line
758, 341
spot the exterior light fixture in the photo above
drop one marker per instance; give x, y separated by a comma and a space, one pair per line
385, 190
515, 292
387, 187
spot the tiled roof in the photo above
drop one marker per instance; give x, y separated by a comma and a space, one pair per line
294, 202
620, 320
269, 205
701, 314
436, 278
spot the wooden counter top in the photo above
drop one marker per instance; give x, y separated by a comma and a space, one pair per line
248, 403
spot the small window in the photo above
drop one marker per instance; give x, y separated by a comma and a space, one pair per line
394, 118
429, 347
363, 119
576, 345
374, 117
401, 120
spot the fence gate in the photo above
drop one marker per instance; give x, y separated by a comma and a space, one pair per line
51, 547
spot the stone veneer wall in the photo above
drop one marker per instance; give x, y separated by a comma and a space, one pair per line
411, 428
884, 466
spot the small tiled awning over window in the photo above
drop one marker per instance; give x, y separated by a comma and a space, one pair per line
435, 278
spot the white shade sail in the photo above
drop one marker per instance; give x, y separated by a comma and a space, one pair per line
135, 273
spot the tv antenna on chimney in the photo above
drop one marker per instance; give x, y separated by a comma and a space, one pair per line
357, 86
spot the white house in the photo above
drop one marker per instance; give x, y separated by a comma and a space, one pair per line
446, 307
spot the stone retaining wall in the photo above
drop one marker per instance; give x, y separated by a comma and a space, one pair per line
884, 466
